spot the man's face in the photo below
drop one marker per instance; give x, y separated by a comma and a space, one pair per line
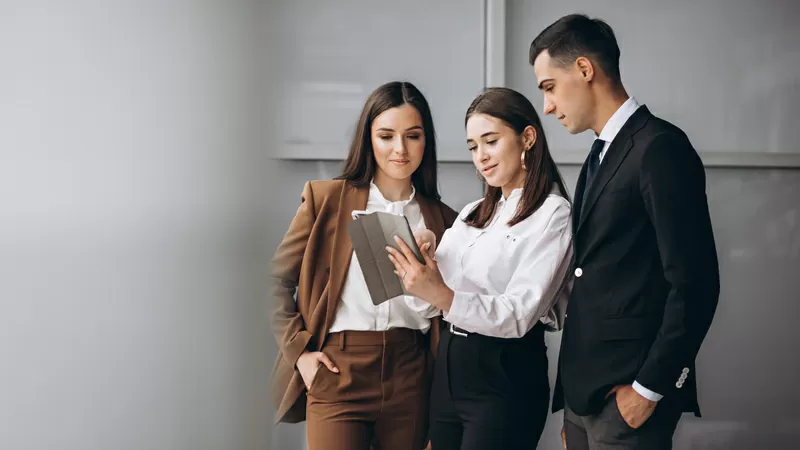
566, 92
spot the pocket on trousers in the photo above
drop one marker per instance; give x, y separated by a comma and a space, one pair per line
318, 379
624, 427
493, 370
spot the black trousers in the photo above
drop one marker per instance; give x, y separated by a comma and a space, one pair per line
489, 393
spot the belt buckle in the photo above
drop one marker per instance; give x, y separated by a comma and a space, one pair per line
457, 333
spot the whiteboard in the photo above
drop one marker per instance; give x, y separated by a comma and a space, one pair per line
331, 55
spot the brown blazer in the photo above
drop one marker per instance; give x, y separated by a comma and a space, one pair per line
314, 258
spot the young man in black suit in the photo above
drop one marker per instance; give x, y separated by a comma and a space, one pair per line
646, 273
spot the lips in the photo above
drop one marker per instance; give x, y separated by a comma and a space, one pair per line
400, 162
488, 168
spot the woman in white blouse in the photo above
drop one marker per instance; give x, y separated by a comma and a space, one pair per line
499, 279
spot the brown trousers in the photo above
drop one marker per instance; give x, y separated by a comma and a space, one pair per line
379, 397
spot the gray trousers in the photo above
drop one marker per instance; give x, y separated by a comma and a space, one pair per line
609, 431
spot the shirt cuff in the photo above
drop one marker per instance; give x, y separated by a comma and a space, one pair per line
458, 309
421, 307
646, 393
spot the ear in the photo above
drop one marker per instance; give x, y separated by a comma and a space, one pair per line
585, 67
528, 137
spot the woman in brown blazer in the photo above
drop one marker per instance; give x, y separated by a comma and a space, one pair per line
356, 372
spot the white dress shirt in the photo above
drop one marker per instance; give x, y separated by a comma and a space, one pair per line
607, 134
355, 311
505, 278
615, 123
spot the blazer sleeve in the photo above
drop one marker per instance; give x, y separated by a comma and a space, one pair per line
287, 322
672, 186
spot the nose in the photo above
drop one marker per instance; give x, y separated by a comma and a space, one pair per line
480, 154
549, 107
400, 145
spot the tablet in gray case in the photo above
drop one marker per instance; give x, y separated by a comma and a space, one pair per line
370, 234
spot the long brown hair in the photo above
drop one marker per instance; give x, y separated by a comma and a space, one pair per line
518, 113
360, 166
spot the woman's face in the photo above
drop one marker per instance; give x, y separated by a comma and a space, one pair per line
496, 150
398, 141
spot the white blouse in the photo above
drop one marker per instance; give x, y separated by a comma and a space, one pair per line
505, 278
356, 310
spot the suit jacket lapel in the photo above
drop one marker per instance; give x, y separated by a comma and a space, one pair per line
352, 198
616, 153
576, 215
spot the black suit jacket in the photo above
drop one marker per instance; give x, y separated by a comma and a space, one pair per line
646, 273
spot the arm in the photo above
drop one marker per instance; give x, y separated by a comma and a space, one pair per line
423, 308
287, 322
672, 185
530, 292
449, 217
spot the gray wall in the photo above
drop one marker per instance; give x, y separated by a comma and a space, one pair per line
724, 72
131, 228
746, 368
139, 209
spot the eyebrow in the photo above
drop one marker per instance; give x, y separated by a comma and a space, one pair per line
543, 82
488, 133
415, 127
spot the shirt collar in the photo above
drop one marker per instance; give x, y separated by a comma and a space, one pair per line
514, 194
618, 119
376, 194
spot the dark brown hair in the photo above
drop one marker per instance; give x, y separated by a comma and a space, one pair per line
576, 35
360, 166
518, 113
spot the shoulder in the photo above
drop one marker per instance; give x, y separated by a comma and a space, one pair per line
321, 189
656, 125
659, 133
555, 208
321, 194
666, 147
555, 213
660, 145
468, 209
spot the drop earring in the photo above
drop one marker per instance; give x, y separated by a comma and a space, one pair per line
524, 152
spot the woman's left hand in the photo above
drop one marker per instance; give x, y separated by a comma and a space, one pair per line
420, 280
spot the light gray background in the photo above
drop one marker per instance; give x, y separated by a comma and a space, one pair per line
132, 232
139, 205
725, 71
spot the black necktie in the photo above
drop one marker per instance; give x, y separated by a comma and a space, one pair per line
592, 164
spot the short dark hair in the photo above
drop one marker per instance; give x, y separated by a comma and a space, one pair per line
360, 166
576, 35
515, 110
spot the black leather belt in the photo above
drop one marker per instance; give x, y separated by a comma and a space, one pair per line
458, 331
